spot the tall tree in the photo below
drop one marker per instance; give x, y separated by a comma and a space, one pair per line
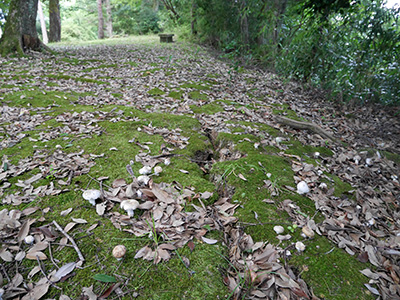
42, 23
20, 30
55, 21
109, 27
100, 32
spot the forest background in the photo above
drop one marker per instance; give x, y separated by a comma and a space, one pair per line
348, 48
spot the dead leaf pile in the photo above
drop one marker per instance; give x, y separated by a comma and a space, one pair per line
58, 164
365, 223
257, 271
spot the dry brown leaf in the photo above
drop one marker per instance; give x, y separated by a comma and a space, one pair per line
143, 252
20, 256
162, 195
209, 241
69, 226
100, 208
66, 212
33, 272
36, 255
240, 175
37, 292
191, 245
88, 291
6, 255
24, 231
79, 221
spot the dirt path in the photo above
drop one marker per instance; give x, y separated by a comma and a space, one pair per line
226, 213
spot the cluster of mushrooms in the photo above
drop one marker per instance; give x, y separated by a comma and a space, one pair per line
92, 195
130, 205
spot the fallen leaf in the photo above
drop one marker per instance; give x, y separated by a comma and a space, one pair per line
63, 271
209, 241
36, 255
100, 209
79, 221
88, 291
240, 175
6, 256
37, 292
104, 278
66, 212
191, 245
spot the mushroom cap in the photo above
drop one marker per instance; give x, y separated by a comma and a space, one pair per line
143, 179
157, 169
302, 188
91, 195
129, 204
300, 246
119, 251
29, 239
146, 170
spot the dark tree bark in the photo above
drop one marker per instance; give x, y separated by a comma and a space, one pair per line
170, 7
244, 25
20, 30
55, 21
193, 24
100, 32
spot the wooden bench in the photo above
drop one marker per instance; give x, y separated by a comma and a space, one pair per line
166, 38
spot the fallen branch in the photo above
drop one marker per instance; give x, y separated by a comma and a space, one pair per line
305, 125
71, 240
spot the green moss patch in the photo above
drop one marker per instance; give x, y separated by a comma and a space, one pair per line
156, 92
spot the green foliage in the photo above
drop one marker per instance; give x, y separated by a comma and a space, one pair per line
351, 49
353, 55
79, 21
104, 278
135, 17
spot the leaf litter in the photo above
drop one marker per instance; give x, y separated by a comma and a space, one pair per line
364, 223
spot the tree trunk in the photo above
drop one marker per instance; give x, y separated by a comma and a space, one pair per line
244, 24
42, 23
109, 19
194, 19
156, 5
100, 32
20, 30
55, 21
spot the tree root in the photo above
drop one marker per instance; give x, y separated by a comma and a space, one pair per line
305, 125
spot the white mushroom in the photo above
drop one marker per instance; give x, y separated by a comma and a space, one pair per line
302, 188
29, 239
146, 170
279, 229
143, 179
323, 186
119, 252
300, 246
129, 206
157, 170
91, 196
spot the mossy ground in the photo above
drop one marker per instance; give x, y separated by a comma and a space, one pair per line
331, 274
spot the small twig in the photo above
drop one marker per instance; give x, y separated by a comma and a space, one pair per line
51, 257
44, 274
71, 240
98, 181
41, 268
5, 272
